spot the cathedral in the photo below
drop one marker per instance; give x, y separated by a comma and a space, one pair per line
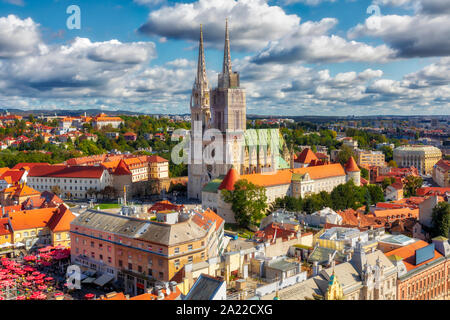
219, 139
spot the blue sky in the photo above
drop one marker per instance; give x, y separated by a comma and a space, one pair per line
302, 57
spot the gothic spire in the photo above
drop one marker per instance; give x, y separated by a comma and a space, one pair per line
201, 67
226, 53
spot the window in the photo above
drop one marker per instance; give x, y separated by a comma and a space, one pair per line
120, 263
177, 264
93, 255
92, 244
101, 257
177, 250
139, 269
161, 275
130, 266
109, 260
160, 262
190, 259
190, 247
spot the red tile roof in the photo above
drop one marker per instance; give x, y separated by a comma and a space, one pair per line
285, 176
57, 219
351, 165
30, 165
432, 191
156, 159
408, 254
63, 171
443, 164
306, 156
230, 179
206, 218
122, 169
164, 206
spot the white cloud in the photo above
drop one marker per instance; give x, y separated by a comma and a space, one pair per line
252, 23
311, 43
410, 36
18, 37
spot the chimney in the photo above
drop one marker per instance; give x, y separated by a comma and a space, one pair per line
173, 286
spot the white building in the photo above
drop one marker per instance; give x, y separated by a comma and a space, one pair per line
73, 181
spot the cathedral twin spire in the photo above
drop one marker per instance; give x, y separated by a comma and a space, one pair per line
226, 52
201, 81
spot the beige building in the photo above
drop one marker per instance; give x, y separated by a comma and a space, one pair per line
419, 156
440, 173
366, 158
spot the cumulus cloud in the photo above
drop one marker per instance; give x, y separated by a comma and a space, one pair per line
432, 7
311, 43
252, 23
410, 36
18, 37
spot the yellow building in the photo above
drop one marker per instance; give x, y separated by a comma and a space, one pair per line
41, 227
366, 158
419, 156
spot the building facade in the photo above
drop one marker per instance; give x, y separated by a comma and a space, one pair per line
421, 157
367, 158
139, 252
441, 173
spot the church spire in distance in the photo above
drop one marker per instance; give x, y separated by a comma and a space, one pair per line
226, 52
201, 79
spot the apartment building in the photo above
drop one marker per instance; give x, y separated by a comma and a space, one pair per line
138, 252
366, 158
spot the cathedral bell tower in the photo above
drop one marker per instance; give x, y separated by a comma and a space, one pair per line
228, 111
200, 121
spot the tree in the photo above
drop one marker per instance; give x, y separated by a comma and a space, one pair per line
392, 164
344, 154
365, 173
346, 196
387, 182
411, 185
388, 153
441, 220
288, 203
248, 202
376, 193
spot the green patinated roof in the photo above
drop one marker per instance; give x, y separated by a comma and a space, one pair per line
282, 164
297, 177
213, 185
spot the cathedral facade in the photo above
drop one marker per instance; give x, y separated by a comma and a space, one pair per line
219, 138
